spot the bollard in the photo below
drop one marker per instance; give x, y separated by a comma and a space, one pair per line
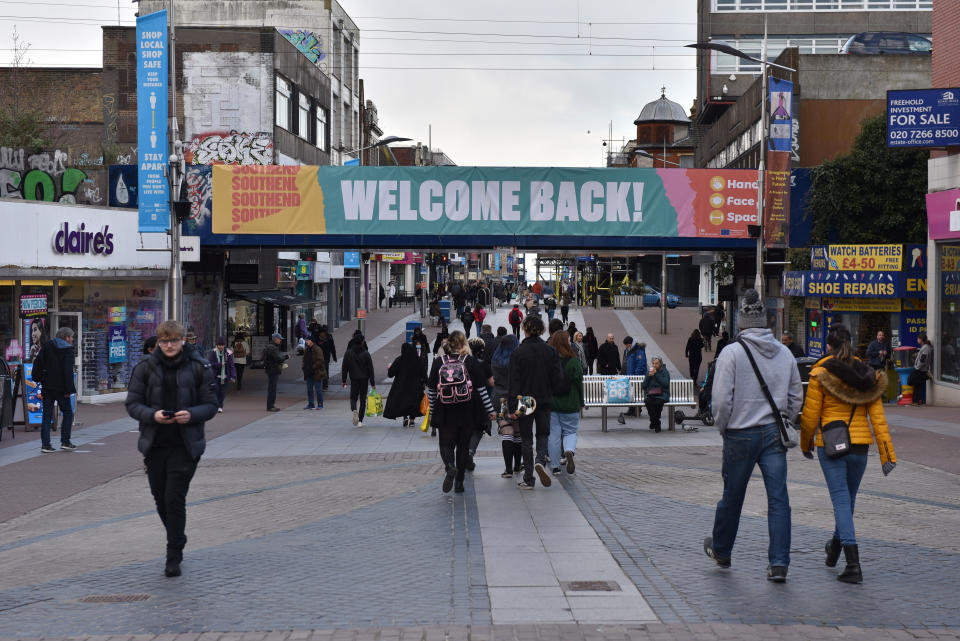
906, 396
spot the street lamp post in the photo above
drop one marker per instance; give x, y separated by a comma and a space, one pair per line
727, 48
383, 142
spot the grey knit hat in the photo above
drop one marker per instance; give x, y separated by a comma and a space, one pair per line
752, 314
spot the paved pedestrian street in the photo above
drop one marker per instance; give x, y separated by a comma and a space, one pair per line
302, 526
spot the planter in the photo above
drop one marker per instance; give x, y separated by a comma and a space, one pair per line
626, 301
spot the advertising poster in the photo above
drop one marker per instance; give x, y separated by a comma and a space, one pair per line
881, 258
781, 114
153, 191
34, 336
31, 392
923, 118
117, 344
776, 200
498, 201
913, 323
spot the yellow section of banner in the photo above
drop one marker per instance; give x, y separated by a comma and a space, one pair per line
269, 199
861, 304
883, 258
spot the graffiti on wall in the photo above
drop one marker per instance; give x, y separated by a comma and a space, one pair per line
233, 148
199, 185
47, 176
307, 42
123, 186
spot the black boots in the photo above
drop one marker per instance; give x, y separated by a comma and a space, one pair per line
834, 547
174, 558
851, 573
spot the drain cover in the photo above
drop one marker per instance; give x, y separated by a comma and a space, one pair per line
114, 598
590, 586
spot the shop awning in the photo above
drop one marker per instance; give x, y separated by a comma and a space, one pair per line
274, 297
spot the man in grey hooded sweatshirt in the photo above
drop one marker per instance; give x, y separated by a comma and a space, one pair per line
750, 433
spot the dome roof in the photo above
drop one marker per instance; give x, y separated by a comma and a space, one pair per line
662, 110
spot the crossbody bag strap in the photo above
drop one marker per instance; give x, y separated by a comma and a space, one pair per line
763, 386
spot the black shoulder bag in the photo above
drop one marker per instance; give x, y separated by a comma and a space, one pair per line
836, 437
788, 433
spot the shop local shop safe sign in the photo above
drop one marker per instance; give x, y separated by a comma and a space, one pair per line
504, 201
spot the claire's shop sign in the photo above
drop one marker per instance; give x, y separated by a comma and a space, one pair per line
80, 240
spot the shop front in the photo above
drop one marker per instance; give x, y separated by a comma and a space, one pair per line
943, 220
81, 267
867, 288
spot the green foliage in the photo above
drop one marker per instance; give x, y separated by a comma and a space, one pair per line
722, 270
799, 258
23, 129
873, 194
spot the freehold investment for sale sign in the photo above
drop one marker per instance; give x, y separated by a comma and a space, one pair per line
485, 201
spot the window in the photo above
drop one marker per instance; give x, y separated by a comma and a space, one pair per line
819, 5
321, 128
283, 103
303, 119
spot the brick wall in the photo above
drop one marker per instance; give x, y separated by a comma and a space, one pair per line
946, 44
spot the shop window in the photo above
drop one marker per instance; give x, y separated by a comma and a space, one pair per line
947, 349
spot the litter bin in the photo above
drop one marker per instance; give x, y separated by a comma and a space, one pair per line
412, 325
445, 306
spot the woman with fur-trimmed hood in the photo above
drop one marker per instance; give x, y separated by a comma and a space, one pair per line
841, 384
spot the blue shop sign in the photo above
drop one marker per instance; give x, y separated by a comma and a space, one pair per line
153, 191
351, 260
854, 284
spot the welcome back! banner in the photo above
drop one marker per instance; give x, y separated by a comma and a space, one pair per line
508, 201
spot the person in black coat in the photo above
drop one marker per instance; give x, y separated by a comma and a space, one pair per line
171, 394
535, 371
409, 373
325, 341
591, 348
707, 327
457, 421
443, 335
53, 369
422, 347
272, 366
608, 357
358, 367
694, 354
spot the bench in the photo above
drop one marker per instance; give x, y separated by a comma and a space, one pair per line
682, 394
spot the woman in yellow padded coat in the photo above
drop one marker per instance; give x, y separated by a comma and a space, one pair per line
841, 384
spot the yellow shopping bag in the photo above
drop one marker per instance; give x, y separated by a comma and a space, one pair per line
374, 403
425, 424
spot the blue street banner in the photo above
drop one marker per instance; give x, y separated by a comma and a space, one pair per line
781, 114
923, 118
152, 187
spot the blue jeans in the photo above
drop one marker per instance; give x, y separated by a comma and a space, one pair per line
221, 391
843, 476
314, 388
550, 313
563, 435
66, 411
742, 450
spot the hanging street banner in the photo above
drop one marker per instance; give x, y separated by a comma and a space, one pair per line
776, 200
923, 118
489, 201
153, 189
781, 115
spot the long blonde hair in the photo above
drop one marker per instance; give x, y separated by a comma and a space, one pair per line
457, 344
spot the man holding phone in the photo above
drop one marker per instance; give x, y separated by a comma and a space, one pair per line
172, 394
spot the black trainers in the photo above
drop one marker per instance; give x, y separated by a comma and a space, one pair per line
542, 473
571, 467
458, 488
719, 560
47, 449
523, 485
68, 446
448, 479
777, 573
555, 471
621, 419
507, 474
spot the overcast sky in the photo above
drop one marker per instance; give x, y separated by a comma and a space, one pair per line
506, 82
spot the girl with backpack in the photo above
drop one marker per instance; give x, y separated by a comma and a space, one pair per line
509, 433
459, 403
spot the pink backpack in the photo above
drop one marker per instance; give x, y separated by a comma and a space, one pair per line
454, 385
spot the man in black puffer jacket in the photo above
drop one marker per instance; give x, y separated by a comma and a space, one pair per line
172, 394
535, 371
53, 369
